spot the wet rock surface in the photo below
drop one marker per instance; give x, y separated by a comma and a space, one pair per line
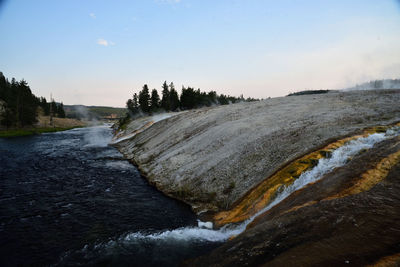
210, 158
324, 224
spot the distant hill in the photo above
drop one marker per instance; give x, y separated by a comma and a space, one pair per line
93, 112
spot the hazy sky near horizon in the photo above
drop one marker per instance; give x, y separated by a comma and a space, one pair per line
100, 52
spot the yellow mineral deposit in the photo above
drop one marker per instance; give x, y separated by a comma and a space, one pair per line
264, 193
372, 177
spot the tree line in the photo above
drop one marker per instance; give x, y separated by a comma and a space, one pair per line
310, 92
19, 107
146, 102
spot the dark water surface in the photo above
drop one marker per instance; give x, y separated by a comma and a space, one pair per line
67, 198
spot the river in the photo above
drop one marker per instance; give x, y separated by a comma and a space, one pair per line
68, 199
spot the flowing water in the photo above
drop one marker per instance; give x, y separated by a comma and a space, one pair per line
68, 199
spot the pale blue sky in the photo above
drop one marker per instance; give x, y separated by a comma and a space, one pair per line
100, 52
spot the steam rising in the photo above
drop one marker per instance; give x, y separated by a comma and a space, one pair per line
97, 136
129, 133
378, 84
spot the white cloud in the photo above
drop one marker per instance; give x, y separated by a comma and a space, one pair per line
92, 15
104, 42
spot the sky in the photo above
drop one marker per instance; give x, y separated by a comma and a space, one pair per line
101, 52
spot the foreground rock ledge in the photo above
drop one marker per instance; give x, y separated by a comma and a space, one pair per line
339, 220
210, 158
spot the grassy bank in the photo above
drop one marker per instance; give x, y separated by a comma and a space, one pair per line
32, 131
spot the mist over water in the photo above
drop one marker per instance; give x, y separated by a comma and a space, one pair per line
96, 136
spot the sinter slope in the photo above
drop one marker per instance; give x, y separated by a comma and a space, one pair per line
210, 158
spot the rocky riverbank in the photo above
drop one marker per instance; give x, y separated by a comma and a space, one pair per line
229, 162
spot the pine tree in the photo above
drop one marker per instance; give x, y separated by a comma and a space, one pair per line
15, 88
135, 102
188, 98
212, 96
53, 108
165, 101
3, 87
144, 99
173, 97
45, 106
155, 101
27, 105
61, 111
129, 105
133, 105
223, 99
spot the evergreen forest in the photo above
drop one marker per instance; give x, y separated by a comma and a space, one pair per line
19, 107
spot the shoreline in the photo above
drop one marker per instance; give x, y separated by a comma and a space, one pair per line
43, 125
18, 132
